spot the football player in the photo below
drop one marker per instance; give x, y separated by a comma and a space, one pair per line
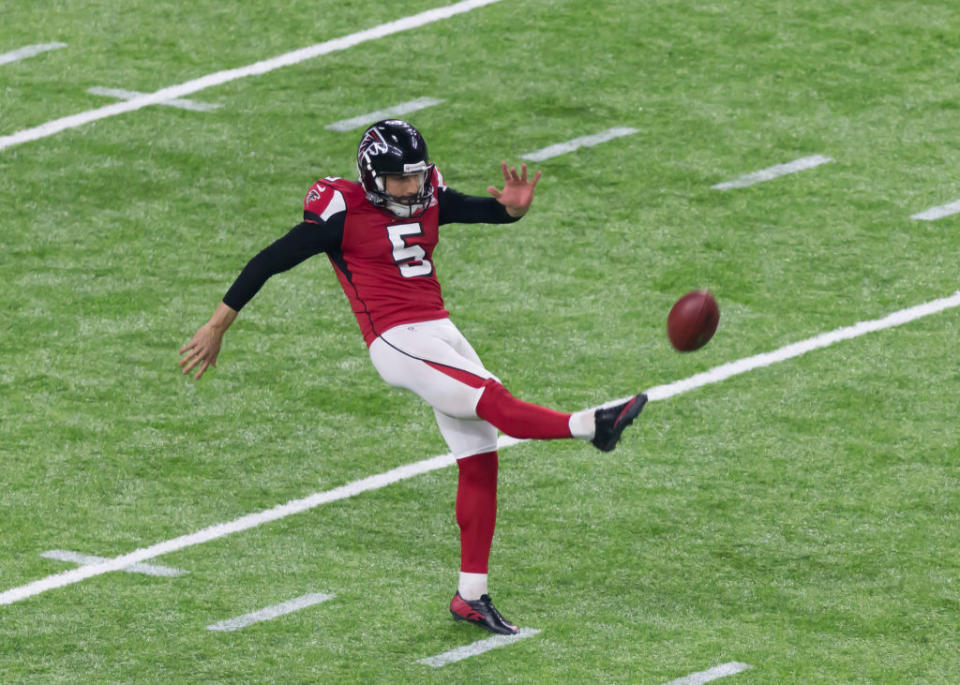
379, 234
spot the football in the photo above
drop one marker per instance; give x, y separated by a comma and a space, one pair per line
693, 320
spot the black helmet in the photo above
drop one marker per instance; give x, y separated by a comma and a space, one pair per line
394, 147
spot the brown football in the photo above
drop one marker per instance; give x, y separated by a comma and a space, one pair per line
693, 320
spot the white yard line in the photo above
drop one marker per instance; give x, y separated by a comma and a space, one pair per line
774, 172
935, 213
725, 371
720, 671
29, 51
577, 143
388, 113
660, 392
222, 529
182, 103
173, 92
467, 651
85, 559
270, 612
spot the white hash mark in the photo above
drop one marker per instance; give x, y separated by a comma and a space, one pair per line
467, 651
270, 612
774, 172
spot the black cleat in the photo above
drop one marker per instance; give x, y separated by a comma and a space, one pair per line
481, 613
611, 421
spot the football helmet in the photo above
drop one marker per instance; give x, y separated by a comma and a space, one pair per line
390, 147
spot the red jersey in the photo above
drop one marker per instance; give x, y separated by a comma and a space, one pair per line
384, 263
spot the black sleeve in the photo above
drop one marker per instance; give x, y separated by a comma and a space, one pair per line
302, 242
467, 209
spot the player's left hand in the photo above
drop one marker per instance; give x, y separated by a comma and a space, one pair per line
517, 193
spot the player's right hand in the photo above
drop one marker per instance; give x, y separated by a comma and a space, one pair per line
202, 350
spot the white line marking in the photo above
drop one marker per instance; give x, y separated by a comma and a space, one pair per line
221, 77
725, 371
85, 559
774, 172
182, 103
935, 213
660, 392
222, 529
389, 113
29, 51
720, 671
576, 143
467, 651
271, 612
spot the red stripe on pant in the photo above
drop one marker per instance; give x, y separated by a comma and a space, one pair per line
464, 377
476, 510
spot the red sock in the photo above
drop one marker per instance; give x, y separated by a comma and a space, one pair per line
476, 510
520, 419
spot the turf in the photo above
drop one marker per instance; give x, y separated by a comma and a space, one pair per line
800, 518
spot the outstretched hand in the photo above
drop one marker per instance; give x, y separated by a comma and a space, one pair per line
517, 193
204, 346
202, 350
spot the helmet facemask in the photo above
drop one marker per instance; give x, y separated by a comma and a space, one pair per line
408, 205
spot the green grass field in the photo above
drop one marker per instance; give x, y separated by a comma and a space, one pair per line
801, 518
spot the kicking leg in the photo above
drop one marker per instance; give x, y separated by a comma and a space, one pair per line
436, 362
602, 426
524, 420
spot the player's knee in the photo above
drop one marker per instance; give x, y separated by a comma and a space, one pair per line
493, 393
479, 469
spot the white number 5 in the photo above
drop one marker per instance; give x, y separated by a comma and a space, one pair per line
410, 259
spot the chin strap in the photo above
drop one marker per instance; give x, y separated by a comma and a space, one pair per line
405, 211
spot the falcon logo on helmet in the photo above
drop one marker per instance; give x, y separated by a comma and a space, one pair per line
394, 147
